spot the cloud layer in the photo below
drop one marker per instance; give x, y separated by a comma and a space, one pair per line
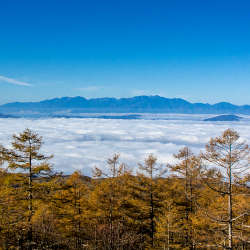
85, 143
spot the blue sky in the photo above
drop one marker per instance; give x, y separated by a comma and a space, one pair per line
196, 50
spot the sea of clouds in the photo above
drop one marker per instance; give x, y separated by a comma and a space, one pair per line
81, 144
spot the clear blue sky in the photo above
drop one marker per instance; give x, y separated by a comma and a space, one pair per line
197, 50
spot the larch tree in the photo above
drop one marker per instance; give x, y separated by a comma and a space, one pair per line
106, 202
33, 166
187, 170
147, 183
226, 161
69, 206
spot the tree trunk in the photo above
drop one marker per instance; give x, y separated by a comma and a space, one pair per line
30, 197
230, 214
152, 218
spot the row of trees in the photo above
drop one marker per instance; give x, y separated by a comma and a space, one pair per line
201, 202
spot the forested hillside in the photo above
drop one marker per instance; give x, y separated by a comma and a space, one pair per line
201, 202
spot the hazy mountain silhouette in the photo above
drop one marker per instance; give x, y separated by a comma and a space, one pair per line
223, 118
137, 104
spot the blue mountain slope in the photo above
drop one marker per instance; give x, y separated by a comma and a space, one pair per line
146, 104
220, 118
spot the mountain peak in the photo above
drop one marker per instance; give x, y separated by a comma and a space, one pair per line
136, 104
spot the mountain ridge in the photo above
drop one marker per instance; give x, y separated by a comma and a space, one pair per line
222, 118
136, 104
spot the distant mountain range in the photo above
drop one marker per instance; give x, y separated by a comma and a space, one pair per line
224, 118
138, 104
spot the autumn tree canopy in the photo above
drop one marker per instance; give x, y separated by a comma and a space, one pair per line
200, 202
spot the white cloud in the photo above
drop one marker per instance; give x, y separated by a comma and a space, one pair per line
84, 143
13, 81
